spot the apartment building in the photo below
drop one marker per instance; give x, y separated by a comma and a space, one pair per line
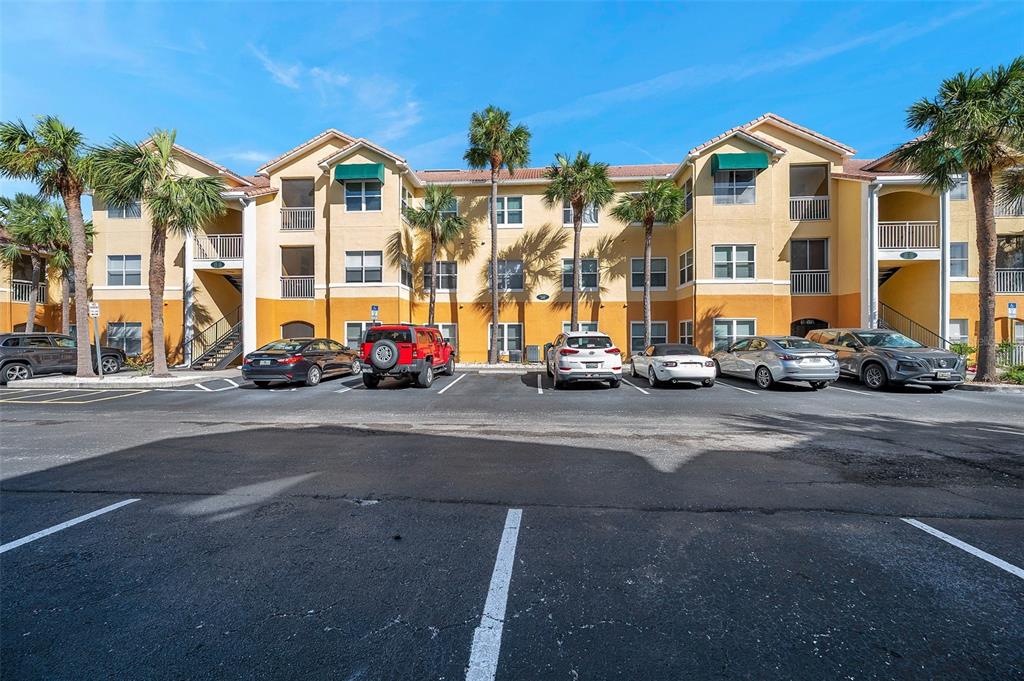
785, 232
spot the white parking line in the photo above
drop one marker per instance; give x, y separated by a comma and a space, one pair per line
736, 387
847, 390
343, 390
636, 387
203, 387
57, 528
460, 377
31, 396
1001, 432
540, 384
998, 562
483, 655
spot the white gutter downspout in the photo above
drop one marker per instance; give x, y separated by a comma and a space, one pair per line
871, 313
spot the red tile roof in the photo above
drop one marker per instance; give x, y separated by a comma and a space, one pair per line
329, 132
747, 128
638, 172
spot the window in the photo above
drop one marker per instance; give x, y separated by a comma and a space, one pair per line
958, 259
450, 332
688, 195
959, 190
131, 211
510, 275
958, 331
808, 254
1018, 332
124, 270
405, 271
1010, 252
447, 275
659, 334
584, 326
406, 200
590, 214
659, 273
510, 337
452, 209
297, 330
686, 332
363, 266
588, 269
510, 210
734, 186
362, 196
354, 332
808, 181
727, 331
125, 335
297, 193
686, 267
734, 262
297, 261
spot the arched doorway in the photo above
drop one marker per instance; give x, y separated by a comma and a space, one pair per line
802, 327
297, 330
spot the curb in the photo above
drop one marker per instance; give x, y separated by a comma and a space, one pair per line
991, 388
120, 382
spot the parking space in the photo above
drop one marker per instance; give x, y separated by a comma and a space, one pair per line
64, 395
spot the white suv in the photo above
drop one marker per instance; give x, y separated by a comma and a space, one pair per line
583, 356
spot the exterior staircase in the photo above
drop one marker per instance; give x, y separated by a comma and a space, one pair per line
893, 320
219, 344
885, 274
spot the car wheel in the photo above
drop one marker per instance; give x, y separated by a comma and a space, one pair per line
426, 377
708, 383
763, 378
357, 367
110, 365
313, 376
819, 385
614, 383
261, 384
16, 372
874, 376
718, 369
371, 381
652, 378
449, 367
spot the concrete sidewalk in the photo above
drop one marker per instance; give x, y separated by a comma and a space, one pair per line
128, 379
501, 368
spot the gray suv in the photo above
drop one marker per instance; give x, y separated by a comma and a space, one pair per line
23, 355
879, 357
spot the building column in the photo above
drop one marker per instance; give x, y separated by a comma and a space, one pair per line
248, 275
188, 297
944, 264
871, 311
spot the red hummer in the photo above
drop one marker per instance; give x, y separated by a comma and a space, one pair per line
405, 350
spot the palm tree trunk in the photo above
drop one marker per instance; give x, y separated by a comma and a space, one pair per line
33, 292
80, 263
492, 355
984, 212
157, 276
65, 303
648, 233
433, 279
577, 268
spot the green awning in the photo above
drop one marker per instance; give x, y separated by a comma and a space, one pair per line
359, 171
754, 160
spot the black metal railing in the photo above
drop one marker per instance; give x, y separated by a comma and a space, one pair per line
201, 342
895, 320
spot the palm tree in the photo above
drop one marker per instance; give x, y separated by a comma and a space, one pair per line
494, 144
975, 125
60, 258
582, 185
657, 201
442, 226
54, 156
24, 216
127, 173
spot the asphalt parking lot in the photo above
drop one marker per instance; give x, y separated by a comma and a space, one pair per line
491, 527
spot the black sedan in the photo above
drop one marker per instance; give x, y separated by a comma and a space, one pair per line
299, 359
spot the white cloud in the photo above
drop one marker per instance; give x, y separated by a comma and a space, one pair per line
285, 74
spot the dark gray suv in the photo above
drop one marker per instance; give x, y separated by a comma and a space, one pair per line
23, 355
879, 357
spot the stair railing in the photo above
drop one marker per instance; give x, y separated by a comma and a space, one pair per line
891, 319
201, 342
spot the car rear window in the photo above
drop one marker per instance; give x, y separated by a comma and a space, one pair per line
284, 346
589, 342
663, 350
796, 344
393, 335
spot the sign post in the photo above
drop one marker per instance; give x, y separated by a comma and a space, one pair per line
1011, 310
94, 313
374, 311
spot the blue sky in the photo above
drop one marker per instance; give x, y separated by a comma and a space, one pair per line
629, 82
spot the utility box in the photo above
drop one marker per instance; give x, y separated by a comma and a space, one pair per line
533, 353
515, 356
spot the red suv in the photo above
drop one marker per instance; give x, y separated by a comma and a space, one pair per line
405, 350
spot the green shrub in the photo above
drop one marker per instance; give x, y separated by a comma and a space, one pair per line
965, 350
1015, 374
140, 364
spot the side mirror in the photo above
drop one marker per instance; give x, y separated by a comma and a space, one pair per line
547, 346
855, 346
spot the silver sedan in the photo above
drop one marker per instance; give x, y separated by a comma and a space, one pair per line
769, 359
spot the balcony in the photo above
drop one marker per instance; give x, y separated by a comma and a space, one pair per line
908, 235
297, 287
809, 282
20, 290
803, 208
218, 247
1010, 281
297, 219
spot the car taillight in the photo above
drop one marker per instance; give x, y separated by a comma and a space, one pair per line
709, 362
613, 351
247, 360
291, 360
568, 351
669, 364
415, 352
788, 358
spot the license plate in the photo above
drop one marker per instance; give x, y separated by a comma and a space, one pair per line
942, 375
813, 360
264, 362
593, 365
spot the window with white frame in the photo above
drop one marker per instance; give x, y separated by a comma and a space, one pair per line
659, 334
728, 331
659, 273
959, 331
510, 275
583, 326
447, 275
590, 215
452, 209
588, 270
364, 266
959, 190
510, 337
355, 332
131, 211
1018, 332
362, 196
450, 332
734, 262
125, 335
688, 195
686, 332
808, 255
686, 267
734, 187
510, 210
406, 199
405, 271
124, 270
958, 259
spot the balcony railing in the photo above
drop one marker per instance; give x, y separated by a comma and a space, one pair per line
908, 235
1010, 281
297, 219
809, 282
218, 247
20, 290
1012, 209
297, 287
808, 208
